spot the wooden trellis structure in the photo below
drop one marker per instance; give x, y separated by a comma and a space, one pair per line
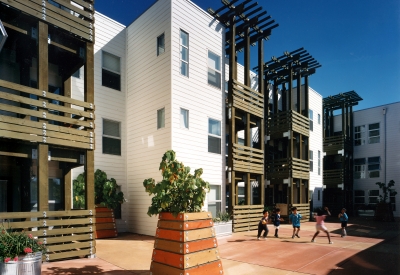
44, 132
246, 25
338, 149
288, 128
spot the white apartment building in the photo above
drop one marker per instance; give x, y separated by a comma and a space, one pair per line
160, 85
376, 153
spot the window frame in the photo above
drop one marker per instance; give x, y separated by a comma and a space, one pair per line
373, 137
181, 46
158, 44
111, 137
311, 159
319, 162
187, 118
216, 201
159, 126
310, 116
359, 168
359, 135
216, 71
359, 194
319, 118
374, 167
110, 70
214, 136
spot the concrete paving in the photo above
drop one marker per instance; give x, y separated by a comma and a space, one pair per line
370, 248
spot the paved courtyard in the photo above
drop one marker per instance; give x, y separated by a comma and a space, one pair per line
370, 248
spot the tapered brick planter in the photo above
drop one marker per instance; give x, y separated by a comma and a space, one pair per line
185, 244
105, 223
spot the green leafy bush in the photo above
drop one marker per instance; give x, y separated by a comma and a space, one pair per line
179, 191
105, 190
222, 217
386, 190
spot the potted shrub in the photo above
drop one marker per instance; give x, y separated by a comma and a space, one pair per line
384, 211
183, 231
18, 252
107, 199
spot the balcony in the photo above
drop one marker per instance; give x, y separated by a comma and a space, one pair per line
248, 159
45, 117
248, 100
76, 18
336, 143
285, 121
289, 167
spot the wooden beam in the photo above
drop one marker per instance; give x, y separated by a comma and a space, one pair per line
14, 28
67, 189
43, 177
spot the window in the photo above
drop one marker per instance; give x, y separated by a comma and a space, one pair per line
393, 200
214, 199
111, 71
161, 118
359, 198
319, 119
373, 133
373, 196
311, 160
160, 44
226, 86
374, 166
310, 116
319, 162
319, 195
184, 118
111, 137
359, 168
214, 136
214, 69
359, 135
184, 56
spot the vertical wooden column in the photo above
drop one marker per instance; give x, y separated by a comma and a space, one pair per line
89, 97
306, 96
290, 94
67, 169
261, 129
232, 128
275, 97
43, 149
284, 97
299, 101
248, 137
331, 124
343, 120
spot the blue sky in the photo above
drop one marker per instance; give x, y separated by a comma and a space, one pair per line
356, 42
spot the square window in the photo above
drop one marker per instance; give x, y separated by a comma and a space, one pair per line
111, 137
160, 44
161, 118
184, 118
310, 116
311, 161
111, 71
214, 69
373, 133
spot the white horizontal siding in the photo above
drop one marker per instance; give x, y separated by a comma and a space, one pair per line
148, 89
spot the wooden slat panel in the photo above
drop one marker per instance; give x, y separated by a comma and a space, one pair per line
62, 231
70, 254
185, 216
189, 260
67, 4
73, 246
49, 127
104, 226
189, 247
29, 90
208, 268
184, 225
63, 239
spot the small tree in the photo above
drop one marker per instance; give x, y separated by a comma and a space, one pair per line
386, 191
179, 191
78, 186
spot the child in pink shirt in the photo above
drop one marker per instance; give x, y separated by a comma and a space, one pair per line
320, 225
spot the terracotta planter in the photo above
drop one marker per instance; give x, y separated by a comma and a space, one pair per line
105, 223
185, 244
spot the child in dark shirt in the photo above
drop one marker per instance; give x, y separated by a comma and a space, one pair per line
262, 225
277, 220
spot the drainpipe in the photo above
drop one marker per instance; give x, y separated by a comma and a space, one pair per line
384, 131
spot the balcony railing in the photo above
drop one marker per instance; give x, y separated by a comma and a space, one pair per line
247, 99
248, 159
76, 16
40, 117
336, 143
288, 120
289, 167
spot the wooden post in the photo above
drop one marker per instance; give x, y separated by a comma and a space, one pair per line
299, 101
67, 188
43, 149
89, 97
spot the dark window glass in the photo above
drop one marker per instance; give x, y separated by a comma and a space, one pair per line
111, 80
111, 146
214, 145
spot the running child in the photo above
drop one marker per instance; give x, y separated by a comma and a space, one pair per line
262, 225
343, 219
320, 225
277, 221
295, 218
